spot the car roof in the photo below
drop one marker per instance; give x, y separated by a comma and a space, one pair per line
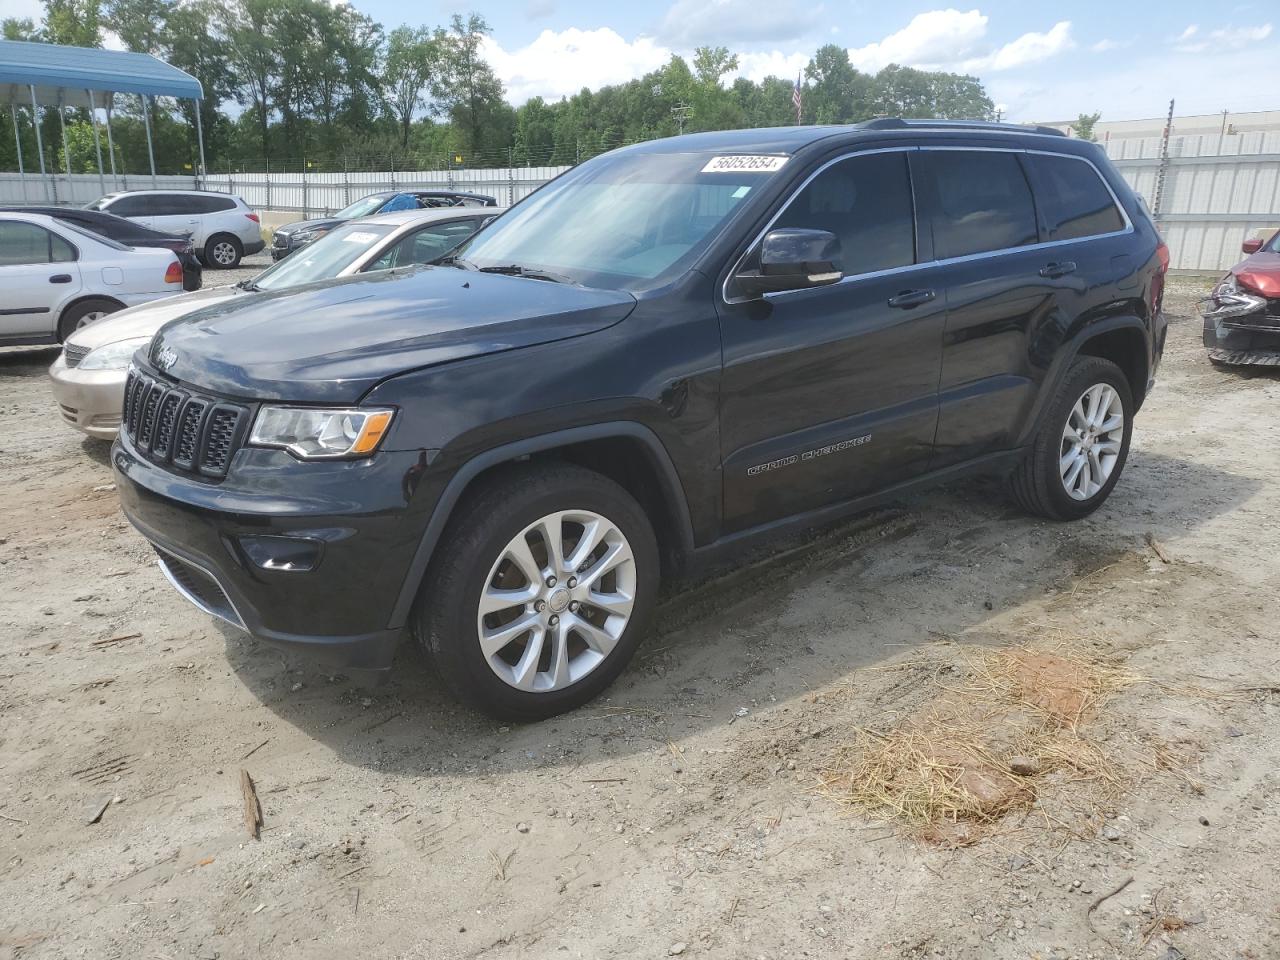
402, 217
201, 193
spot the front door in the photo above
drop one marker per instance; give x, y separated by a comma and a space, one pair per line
37, 272
831, 392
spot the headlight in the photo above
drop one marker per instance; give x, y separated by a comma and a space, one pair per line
314, 434
1228, 300
113, 356
306, 236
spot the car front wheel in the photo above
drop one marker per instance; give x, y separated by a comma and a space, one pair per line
539, 592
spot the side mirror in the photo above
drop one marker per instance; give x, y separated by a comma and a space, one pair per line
794, 258
1252, 245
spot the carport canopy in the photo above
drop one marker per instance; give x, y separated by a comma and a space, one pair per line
45, 74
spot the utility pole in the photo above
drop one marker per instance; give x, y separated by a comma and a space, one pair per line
681, 112
1163, 170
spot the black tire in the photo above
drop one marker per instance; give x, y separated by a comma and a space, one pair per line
1037, 482
211, 249
75, 315
487, 520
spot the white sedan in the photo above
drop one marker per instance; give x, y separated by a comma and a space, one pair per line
56, 277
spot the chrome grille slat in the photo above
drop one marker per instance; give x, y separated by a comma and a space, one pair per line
73, 354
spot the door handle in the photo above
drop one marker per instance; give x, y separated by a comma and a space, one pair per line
1054, 270
60, 278
911, 298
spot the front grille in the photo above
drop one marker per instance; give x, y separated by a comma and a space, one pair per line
280, 241
73, 354
175, 428
1273, 307
199, 587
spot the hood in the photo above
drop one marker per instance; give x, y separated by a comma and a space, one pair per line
1261, 272
145, 320
289, 229
333, 340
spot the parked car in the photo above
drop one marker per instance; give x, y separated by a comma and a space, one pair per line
671, 351
55, 277
1242, 315
88, 376
291, 236
222, 227
128, 233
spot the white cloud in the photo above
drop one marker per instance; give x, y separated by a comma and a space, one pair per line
690, 23
931, 39
775, 63
1105, 44
1026, 49
560, 63
1227, 38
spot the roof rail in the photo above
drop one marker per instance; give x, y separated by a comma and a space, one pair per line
898, 123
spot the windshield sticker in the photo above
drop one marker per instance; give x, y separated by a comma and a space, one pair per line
359, 237
744, 164
740, 193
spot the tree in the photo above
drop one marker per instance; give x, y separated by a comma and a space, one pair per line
20, 28
411, 70
140, 24
1085, 124
835, 92
250, 49
472, 90
77, 23
712, 63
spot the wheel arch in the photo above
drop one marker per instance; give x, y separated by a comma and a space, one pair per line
627, 452
79, 299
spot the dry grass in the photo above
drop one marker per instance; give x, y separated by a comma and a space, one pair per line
985, 746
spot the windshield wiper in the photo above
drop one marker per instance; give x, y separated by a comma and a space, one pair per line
249, 285
533, 273
458, 262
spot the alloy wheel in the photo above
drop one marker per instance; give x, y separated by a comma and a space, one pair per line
90, 317
1091, 441
556, 601
224, 253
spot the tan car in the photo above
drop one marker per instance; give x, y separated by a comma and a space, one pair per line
88, 376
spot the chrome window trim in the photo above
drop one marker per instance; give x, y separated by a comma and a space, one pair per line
891, 271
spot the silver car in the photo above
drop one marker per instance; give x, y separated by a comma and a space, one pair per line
88, 376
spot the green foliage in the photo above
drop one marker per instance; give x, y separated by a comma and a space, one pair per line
1084, 125
322, 81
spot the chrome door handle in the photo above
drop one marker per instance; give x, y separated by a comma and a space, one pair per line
1054, 270
911, 298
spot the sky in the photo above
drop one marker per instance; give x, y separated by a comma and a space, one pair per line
1039, 62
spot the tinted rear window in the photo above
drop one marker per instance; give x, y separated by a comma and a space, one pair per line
1075, 201
983, 202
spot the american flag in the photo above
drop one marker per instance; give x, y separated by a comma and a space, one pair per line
797, 97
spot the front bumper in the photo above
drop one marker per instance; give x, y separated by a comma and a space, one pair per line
89, 400
350, 517
1250, 340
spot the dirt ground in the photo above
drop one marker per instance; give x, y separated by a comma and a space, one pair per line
684, 814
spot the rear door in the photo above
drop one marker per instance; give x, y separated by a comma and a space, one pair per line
38, 273
986, 234
831, 392
136, 207
178, 213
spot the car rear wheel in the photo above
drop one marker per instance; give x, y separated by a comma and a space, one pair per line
223, 252
1080, 450
539, 592
85, 312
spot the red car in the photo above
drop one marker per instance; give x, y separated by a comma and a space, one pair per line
1242, 315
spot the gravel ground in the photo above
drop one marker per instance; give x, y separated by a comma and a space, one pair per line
683, 814
249, 267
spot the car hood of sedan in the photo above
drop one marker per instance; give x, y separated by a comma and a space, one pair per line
1260, 272
334, 340
145, 320
298, 226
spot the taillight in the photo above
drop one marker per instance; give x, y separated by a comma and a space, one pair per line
253, 217
1162, 252
174, 273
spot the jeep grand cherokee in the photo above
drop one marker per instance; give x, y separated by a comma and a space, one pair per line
668, 352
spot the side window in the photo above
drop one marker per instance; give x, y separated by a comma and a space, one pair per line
60, 251
426, 245
176, 205
129, 207
1075, 201
983, 202
23, 243
211, 204
866, 202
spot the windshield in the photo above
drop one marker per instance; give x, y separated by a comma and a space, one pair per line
362, 207
622, 222
325, 258
101, 203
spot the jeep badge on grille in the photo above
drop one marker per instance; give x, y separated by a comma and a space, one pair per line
165, 358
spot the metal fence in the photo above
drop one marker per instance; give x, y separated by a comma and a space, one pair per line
320, 194
1217, 191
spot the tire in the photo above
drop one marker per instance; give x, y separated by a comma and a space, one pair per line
1042, 483
83, 312
222, 251
511, 682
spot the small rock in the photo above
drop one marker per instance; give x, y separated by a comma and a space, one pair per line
296, 687
677, 949
1024, 766
1204, 821
522, 827
104, 488
1111, 833
1234, 732
741, 712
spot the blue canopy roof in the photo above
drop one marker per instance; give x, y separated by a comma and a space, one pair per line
65, 73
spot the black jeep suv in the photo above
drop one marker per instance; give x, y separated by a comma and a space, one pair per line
667, 352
